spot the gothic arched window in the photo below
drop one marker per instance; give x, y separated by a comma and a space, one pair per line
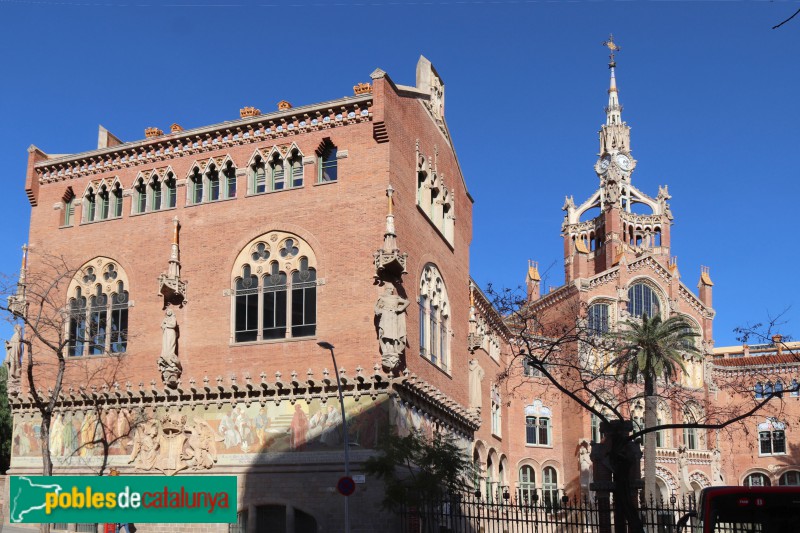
642, 300
757, 480
104, 200
277, 179
296, 166
434, 321
170, 191
196, 186
140, 200
269, 270
212, 177
258, 176
116, 200
155, 193
89, 205
230, 180
98, 324
597, 322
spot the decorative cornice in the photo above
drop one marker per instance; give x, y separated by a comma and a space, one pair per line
436, 400
294, 121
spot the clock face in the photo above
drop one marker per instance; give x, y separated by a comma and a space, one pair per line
604, 163
623, 161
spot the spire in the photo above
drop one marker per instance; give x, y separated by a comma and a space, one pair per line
17, 303
615, 134
390, 263
171, 286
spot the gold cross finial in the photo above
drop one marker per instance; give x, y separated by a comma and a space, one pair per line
611, 45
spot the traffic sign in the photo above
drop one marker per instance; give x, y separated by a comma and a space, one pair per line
346, 486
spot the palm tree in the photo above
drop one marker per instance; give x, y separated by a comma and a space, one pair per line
652, 349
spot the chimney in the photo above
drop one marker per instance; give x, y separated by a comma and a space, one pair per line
533, 281
705, 286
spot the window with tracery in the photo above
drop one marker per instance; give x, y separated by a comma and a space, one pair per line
275, 289
772, 437
434, 199
89, 205
140, 197
258, 176
693, 437
434, 318
296, 168
597, 319
538, 429
196, 186
277, 175
642, 300
550, 487
757, 480
527, 484
98, 310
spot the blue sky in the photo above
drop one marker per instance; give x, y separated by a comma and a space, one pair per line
710, 91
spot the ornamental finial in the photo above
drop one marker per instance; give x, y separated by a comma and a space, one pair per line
611, 45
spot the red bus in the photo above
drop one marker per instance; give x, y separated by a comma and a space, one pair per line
745, 510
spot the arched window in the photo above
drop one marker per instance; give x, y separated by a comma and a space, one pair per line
642, 300
140, 197
527, 484
434, 321
795, 388
258, 176
196, 186
327, 155
779, 387
772, 437
104, 200
598, 319
768, 389
790, 479
759, 390
550, 487
116, 200
262, 308
98, 324
538, 430
296, 166
277, 178
170, 186
155, 194
212, 177
230, 180
89, 210
757, 480
693, 438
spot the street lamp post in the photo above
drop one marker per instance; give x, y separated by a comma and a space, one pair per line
329, 346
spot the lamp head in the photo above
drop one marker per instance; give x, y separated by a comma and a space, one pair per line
325, 345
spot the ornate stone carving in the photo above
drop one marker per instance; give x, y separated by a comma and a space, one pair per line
283, 105
170, 446
362, 88
149, 133
171, 286
390, 311
175, 128
168, 362
18, 303
389, 260
476, 375
247, 112
474, 341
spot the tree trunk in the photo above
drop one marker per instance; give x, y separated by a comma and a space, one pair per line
47, 462
650, 421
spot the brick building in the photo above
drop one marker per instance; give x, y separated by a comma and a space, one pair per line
249, 242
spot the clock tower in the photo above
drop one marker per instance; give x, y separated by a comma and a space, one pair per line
620, 228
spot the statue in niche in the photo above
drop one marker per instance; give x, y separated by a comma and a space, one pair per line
168, 363
585, 465
475, 377
13, 349
390, 311
716, 468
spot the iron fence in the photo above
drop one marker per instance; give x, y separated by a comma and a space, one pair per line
470, 513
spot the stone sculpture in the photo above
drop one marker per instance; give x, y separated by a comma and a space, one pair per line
170, 446
683, 471
168, 363
716, 468
585, 465
390, 310
475, 377
13, 354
